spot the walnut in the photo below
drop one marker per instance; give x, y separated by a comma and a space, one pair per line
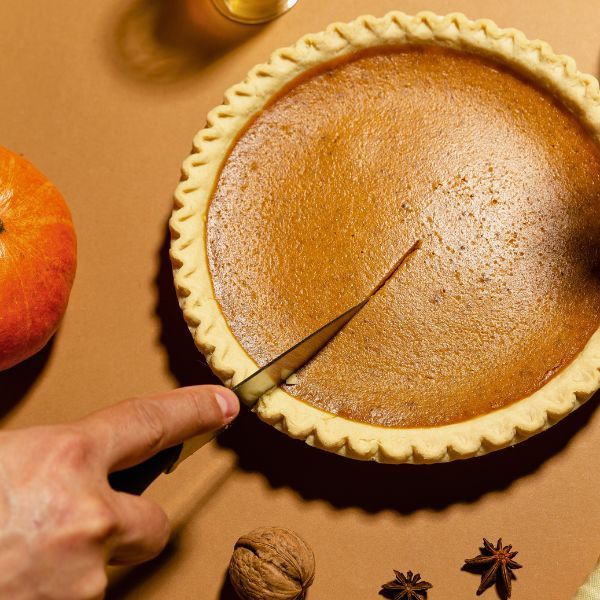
271, 563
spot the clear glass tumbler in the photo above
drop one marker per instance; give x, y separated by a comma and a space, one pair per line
253, 11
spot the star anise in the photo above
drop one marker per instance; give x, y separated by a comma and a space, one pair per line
497, 565
406, 587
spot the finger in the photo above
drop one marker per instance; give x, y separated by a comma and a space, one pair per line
143, 530
136, 429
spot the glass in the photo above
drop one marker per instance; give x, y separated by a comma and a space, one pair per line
253, 11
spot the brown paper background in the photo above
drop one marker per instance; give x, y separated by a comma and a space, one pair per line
105, 97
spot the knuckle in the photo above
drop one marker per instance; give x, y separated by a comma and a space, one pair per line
90, 585
99, 521
71, 446
150, 420
160, 532
156, 538
94, 584
156, 518
144, 536
165, 531
206, 411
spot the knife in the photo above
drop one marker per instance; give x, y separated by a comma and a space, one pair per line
136, 479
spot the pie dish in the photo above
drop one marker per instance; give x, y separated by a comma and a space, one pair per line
468, 143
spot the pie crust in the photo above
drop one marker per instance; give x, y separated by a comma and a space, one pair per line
535, 59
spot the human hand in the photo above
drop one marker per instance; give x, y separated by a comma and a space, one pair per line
61, 522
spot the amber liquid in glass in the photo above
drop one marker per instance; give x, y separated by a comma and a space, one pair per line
253, 11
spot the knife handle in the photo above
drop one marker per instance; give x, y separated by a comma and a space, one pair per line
136, 479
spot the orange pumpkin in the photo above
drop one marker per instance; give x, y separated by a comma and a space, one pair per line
37, 259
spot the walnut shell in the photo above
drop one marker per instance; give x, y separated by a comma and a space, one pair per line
271, 563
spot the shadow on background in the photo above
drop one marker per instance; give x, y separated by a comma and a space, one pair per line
17, 381
126, 582
318, 475
315, 474
344, 483
227, 591
165, 41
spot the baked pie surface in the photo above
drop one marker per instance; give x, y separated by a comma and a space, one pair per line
329, 162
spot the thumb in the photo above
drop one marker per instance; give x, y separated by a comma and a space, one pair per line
133, 430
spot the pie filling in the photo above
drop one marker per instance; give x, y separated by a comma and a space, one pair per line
343, 172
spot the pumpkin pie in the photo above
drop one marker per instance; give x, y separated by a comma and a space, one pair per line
466, 143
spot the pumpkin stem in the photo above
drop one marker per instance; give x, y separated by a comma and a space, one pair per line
1, 226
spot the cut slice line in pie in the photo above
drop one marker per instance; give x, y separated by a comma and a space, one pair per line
327, 163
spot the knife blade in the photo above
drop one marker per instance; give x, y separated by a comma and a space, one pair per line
135, 479
251, 389
279, 369
287, 363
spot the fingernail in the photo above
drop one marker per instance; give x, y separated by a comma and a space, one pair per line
228, 403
